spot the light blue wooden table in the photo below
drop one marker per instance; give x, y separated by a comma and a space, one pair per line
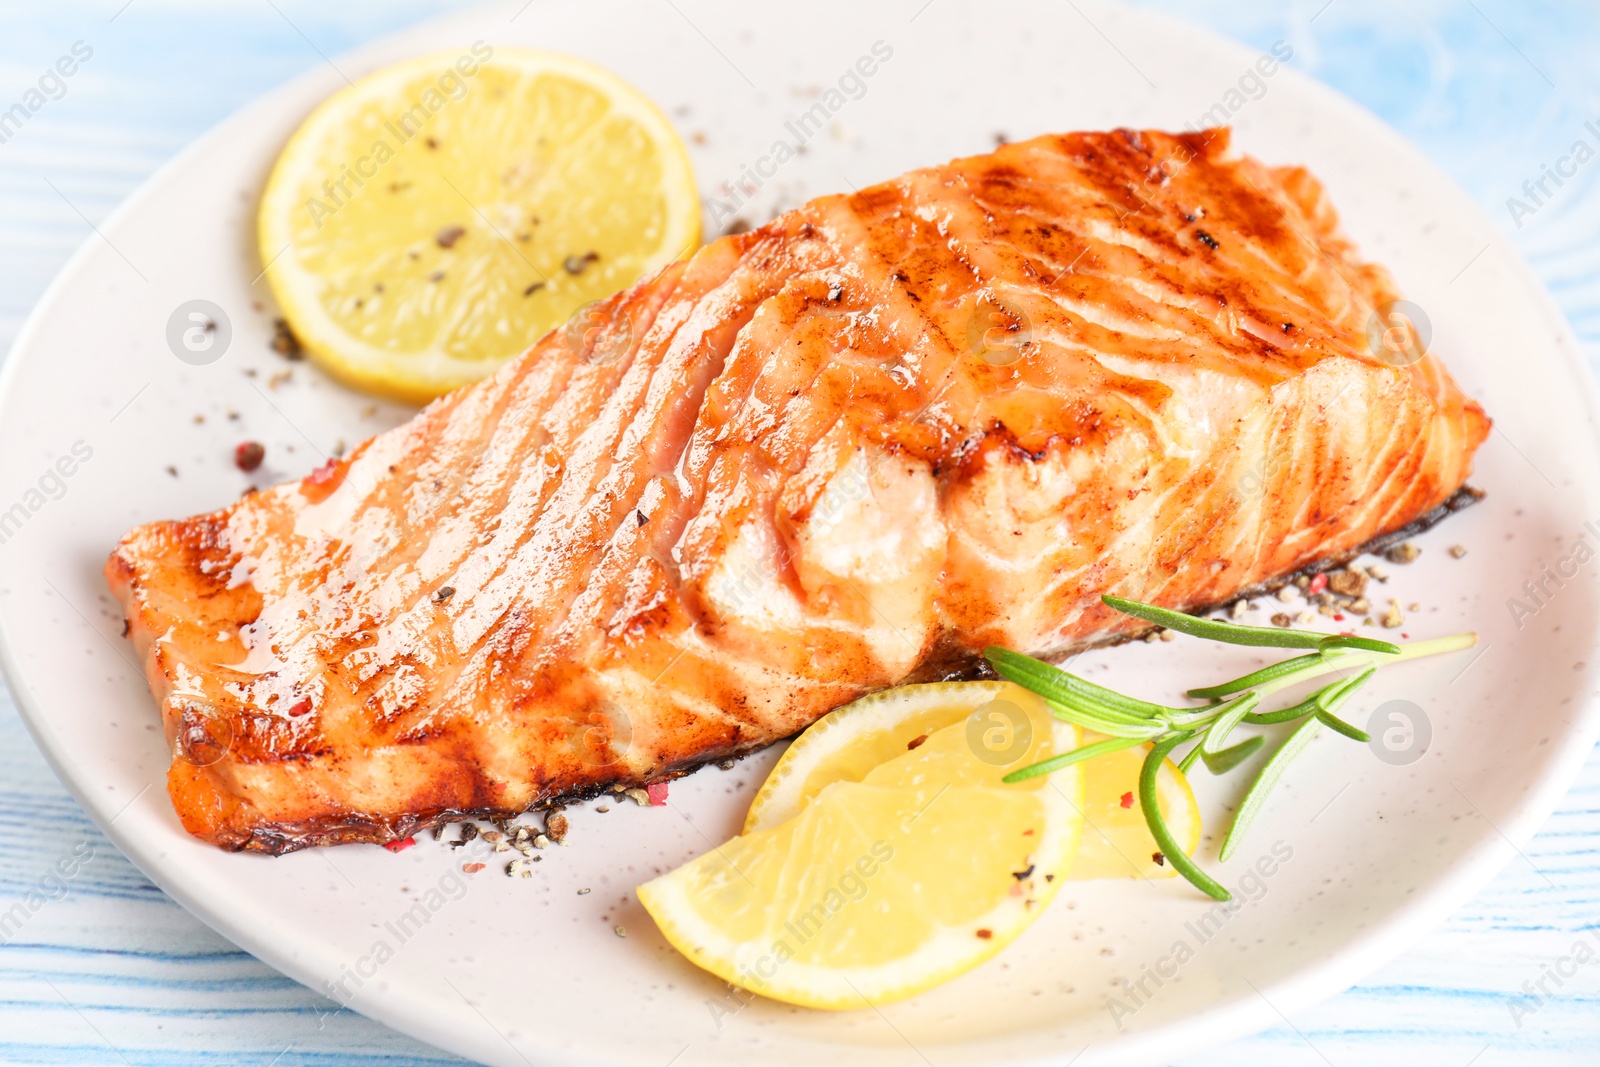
111, 971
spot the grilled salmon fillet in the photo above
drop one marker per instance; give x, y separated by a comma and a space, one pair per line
841, 451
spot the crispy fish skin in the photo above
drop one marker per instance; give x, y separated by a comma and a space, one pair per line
846, 449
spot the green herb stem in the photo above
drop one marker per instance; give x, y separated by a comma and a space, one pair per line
1303, 735
1229, 716
1343, 660
1338, 725
1103, 724
1229, 758
1051, 681
1213, 629
1128, 721
1067, 759
1233, 633
1256, 678
1150, 802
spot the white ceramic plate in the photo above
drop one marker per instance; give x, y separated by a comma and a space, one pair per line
513, 971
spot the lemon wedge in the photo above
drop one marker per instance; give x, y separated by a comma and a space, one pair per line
849, 743
437, 217
894, 879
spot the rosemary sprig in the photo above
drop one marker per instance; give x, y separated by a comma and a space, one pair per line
1234, 634
1129, 721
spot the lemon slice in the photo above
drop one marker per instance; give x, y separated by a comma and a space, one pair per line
437, 217
847, 744
1116, 841
912, 873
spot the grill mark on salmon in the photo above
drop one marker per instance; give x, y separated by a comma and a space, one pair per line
838, 452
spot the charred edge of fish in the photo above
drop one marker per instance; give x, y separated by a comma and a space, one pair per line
957, 667
949, 661
280, 839
1462, 498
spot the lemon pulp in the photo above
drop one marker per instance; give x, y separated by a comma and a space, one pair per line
437, 217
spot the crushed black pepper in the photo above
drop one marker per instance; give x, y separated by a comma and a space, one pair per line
284, 342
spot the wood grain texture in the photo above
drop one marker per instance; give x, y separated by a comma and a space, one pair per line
108, 970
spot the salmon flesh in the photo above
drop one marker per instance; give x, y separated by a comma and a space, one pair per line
839, 452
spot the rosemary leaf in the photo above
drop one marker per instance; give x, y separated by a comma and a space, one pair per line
1255, 678
1053, 683
1229, 758
1330, 698
1150, 802
1308, 706
1215, 630
1333, 722
1066, 759
1327, 698
1229, 717
1303, 735
1101, 724
1369, 644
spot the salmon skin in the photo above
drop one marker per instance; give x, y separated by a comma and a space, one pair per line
842, 451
